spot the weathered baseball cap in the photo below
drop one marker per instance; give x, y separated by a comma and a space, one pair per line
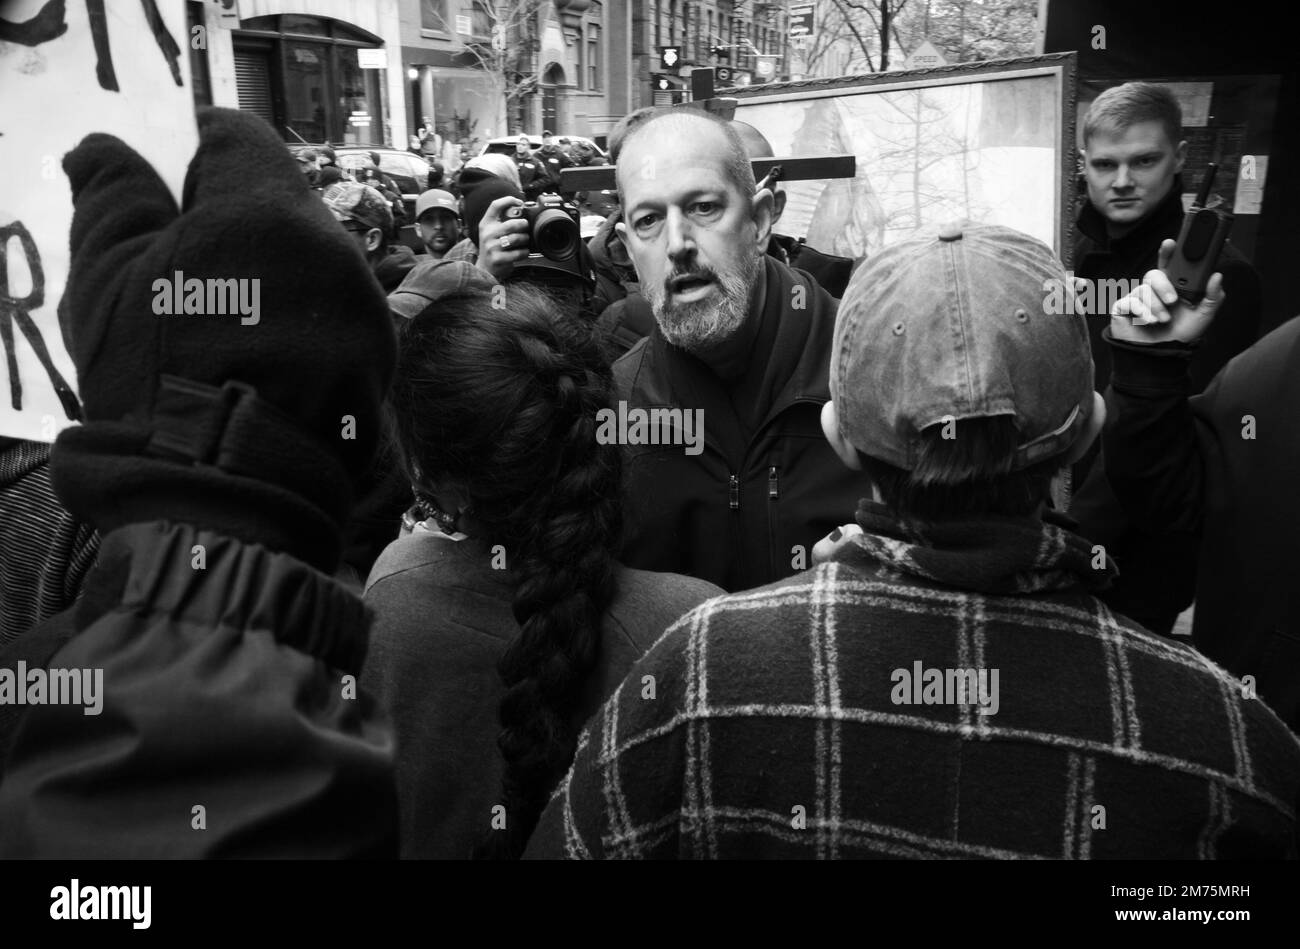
953, 326
353, 201
431, 280
436, 198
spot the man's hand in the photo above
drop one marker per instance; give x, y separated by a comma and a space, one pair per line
502, 241
1154, 313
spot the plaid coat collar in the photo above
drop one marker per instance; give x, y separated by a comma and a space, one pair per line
987, 554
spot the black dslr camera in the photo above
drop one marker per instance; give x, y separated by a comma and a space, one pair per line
554, 232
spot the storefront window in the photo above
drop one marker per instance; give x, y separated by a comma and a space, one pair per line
306, 80
465, 104
311, 89
355, 118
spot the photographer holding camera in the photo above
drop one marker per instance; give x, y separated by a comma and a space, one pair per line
503, 240
538, 241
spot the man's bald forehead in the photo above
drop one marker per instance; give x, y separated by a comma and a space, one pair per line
667, 122
680, 125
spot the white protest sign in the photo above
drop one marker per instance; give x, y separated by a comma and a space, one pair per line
66, 70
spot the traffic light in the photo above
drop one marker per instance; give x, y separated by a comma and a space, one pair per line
670, 57
720, 52
662, 83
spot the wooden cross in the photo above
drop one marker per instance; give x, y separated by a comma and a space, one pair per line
794, 168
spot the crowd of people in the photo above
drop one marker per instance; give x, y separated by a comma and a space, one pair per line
373, 578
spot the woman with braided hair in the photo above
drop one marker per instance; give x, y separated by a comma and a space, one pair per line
503, 618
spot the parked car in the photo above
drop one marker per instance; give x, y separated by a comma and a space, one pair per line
506, 146
409, 172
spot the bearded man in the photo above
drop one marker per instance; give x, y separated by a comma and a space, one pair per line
742, 337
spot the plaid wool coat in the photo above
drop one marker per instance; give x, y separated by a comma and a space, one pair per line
778, 723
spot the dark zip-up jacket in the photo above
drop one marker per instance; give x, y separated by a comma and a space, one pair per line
748, 509
1220, 468
1142, 590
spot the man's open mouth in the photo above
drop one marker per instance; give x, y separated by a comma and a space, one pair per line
689, 283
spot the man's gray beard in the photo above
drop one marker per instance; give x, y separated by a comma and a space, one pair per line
702, 324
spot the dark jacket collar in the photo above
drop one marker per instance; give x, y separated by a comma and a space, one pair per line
798, 368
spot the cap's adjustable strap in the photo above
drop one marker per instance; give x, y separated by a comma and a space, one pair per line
232, 428
1051, 443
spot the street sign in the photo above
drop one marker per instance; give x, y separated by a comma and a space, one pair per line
801, 19
724, 74
372, 58
669, 57
765, 67
925, 56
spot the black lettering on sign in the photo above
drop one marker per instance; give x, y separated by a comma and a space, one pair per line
47, 25
15, 310
104, 56
51, 23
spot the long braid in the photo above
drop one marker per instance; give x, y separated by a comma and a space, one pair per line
504, 401
565, 583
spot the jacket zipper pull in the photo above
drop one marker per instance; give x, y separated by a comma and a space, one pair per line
773, 490
735, 493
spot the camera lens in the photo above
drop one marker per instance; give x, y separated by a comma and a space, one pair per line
555, 236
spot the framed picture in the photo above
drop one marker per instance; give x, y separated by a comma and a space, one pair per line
992, 142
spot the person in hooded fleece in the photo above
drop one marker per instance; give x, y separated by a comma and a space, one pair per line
217, 461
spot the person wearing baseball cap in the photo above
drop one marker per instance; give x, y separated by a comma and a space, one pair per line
365, 213
431, 280
943, 682
437, 221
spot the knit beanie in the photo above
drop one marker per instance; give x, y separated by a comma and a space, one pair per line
478, 189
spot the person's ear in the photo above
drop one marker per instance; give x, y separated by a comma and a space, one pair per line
1090, 431
839, 444
761, 209
374, 237
778, 206
1180, 156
